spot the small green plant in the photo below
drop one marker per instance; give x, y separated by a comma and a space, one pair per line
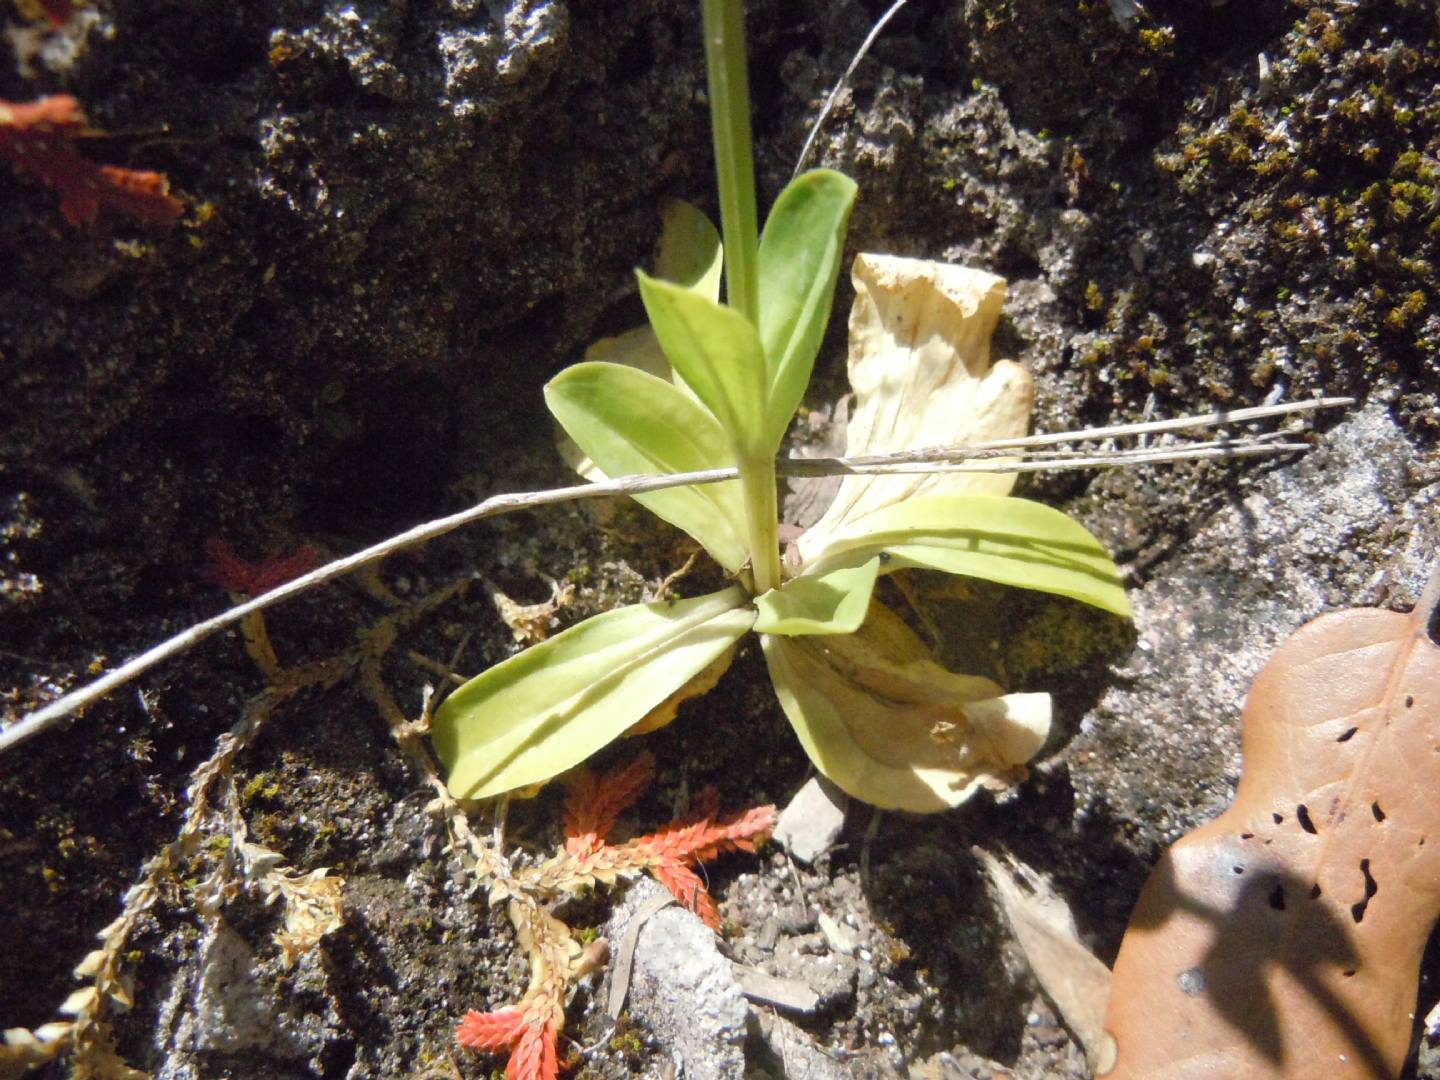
718, 386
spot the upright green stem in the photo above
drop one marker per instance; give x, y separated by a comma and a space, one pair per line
735, 169
735, 173
757, 486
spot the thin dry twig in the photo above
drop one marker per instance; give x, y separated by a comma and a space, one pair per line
1099, 460
61, 707
435, 668
310, 901
1001, 447
624, 956
944, 459
841, 83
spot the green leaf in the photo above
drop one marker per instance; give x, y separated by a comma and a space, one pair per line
1012, 541
550, 707
628, 421
690, 252
833, 603
800, 253
717, 352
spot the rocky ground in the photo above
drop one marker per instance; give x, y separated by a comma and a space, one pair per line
402, 217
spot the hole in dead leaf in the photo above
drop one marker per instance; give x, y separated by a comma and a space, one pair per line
1348, 735
1375, 809
1409, 702
1247, 836
1279, 818
1303, 815
1277, 898
1314, 892
1238, 869
1357, 910
1192, 981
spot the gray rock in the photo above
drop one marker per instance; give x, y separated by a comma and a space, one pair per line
838, 936
1294, 548
794, 995
769, 934
1125, 11
831, 975
681, 988
794, 1054
1428, 1063
226, 1007
812, 821
233, 1012
795, 916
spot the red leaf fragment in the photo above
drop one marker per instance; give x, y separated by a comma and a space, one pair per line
595, 802
58, 12
532, 1041
672, 851
535, 1056
490, 1031
237, 575
688, 888
38, 139
532, 1028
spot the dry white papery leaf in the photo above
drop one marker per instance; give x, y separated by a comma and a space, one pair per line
920, 367
882, 719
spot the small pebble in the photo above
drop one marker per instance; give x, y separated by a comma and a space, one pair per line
838, 936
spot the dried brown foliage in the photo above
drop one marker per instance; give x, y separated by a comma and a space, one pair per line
530, 1030
1283, 939
38, 138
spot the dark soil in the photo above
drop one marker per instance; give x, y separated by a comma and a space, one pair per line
405, 215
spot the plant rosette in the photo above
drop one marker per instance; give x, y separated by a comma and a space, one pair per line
702, 387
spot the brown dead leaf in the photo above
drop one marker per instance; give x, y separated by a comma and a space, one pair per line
1283, 940
1071, 975
530, 623
313, 908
